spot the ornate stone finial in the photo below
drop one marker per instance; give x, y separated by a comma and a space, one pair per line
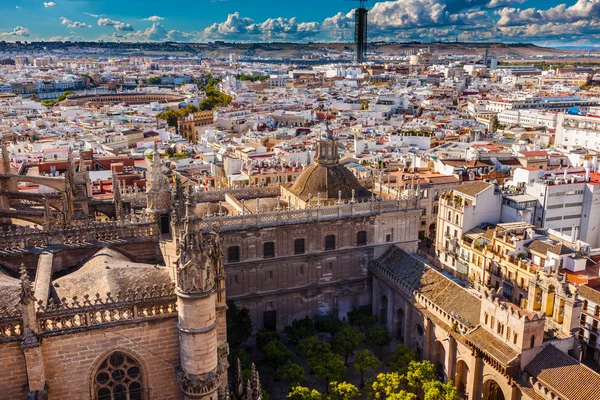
26, 287
239, 382
255, 384
117, 195
5, 158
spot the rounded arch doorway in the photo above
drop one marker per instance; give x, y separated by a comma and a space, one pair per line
492, 391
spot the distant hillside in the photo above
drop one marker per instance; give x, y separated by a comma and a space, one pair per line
276, 50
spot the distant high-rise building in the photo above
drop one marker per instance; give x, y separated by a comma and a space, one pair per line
360, 33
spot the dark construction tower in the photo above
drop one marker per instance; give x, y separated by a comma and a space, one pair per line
360, 33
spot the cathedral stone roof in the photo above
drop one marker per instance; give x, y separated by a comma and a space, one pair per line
326, 176
110, 271
328, 180
10, 291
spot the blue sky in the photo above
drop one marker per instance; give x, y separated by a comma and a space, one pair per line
544, 22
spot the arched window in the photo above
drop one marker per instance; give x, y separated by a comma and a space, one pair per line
118, 377
449, 215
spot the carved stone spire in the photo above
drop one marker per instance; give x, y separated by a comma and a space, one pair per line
117, 199
26, 287
202, 372
158, 188
255, 384
47, 215
5, 158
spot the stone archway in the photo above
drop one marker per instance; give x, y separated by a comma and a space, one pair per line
383, 310
492, 391
400, 319
439, 359
462, 377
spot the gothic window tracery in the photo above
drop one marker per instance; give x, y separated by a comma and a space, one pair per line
119, 377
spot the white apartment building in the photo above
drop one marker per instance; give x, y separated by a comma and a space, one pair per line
529, 118
470, 205
566, 203
557, 104
578, 130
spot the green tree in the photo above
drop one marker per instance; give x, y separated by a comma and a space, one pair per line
330, 325
364, 362
291, 373
400, 359
277, 354
436, 390
48, 103
170, 116
154, 80
346, 341
64, 96
388, 386
380, 337
361, 318
239, 325
343, 391
264, 336
311, 346
327, 366
304, 393
300, 329
239, 354
418, 374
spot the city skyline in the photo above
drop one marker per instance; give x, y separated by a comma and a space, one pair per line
551, 23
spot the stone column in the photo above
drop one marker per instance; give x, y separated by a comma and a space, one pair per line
428, 337
30, 345
407, 324
451, 359
476, 389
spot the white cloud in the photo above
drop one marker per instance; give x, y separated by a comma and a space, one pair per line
18, 31
156, 33
49, 4
92, 15
154, 18
73, 24
118, 25
244, 28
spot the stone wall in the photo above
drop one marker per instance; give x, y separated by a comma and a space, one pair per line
70, 360
13, 376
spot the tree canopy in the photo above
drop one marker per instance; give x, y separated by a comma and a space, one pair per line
299, 329
239, 324
346, 341
362, 319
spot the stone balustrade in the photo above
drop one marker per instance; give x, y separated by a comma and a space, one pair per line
78, 232
314, 213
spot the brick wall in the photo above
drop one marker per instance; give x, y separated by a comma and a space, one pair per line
70, 359
13, 377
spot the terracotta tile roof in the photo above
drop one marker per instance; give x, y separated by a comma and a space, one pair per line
589, 293
449, 296
542, 247
564, 375
495, 347
472, 188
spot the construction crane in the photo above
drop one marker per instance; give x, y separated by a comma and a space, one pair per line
360, 32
